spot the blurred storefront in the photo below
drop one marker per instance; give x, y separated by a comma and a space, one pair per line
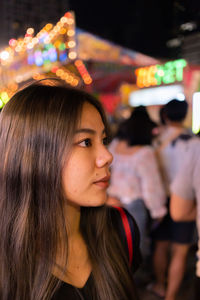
158, 84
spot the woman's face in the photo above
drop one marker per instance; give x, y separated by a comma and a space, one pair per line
86, 173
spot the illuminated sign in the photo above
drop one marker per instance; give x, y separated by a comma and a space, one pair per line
195, 113
170, 72
159, 95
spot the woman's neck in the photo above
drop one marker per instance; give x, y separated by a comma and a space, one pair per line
72, 222
77, 268
72, 219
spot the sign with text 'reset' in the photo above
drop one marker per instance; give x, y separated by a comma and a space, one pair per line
167, 73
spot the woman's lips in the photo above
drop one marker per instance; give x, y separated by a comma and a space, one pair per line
103, 182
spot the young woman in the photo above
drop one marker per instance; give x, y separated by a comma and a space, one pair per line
58, 239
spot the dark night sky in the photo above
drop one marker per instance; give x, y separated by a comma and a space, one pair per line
141, 25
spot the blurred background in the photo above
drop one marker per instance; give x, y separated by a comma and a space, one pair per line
127, 53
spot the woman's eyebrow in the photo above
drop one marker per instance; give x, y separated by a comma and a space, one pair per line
87, 130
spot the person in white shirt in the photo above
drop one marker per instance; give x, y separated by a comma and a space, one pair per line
175, 237
135, 177
185, 199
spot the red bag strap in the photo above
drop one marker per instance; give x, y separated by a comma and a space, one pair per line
128, 233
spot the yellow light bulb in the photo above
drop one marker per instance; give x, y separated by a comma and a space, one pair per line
72, 55
71, 44
70, 32
63, 31
48, 26
30, 31
63, 20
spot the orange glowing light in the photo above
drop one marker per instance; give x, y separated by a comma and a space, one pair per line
68, 15
78, 63
70, 32
30, 31
88, 81
57, 43
63, 20
63, 30
49, 26
70, 78
13, 87
66, 76
75, 82
54, 69
146, 76
36, 76
86, 76
70, 21
59, 72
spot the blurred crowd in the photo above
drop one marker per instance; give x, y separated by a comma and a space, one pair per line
154, 176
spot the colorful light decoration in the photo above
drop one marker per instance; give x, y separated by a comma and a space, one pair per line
58, 51
52, 54
45, 52
38, 76
168, 73
48, 54
65, 26
67, 76
83, 71
70, 19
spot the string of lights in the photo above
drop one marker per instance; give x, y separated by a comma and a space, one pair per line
45, 54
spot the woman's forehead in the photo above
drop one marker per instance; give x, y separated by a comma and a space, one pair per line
91, 117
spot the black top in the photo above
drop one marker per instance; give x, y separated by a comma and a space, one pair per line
68, 291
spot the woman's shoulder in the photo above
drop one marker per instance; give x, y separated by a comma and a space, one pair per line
116, 213
126, 227
123, 220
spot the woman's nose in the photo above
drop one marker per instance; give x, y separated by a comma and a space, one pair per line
104, 157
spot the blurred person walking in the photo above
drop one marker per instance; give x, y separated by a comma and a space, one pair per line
185, 199
175, 237
135, 179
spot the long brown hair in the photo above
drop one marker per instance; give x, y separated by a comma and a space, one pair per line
36, 132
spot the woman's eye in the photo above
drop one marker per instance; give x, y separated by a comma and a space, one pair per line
86, 143
105, 141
